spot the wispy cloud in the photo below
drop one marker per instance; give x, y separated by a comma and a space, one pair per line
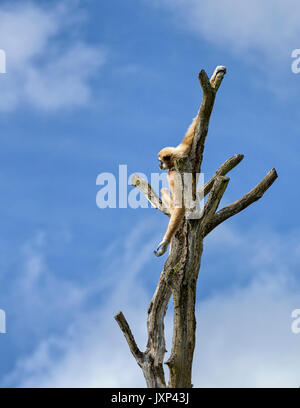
36, 297
261, 30
96, 364
244, 336
42, 70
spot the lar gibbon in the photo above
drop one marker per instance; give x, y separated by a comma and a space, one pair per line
167, 158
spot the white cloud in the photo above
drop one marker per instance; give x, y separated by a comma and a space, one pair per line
47, 67
36, 297
245, 337
244, 333
92, 344
264, 30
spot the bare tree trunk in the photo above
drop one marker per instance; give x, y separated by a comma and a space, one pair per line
180, 273
184, 299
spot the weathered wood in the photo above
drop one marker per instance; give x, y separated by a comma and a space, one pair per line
255, 194
152, 197
214, 198
185, 281
180, 272
184, 299
124, 326
222, 170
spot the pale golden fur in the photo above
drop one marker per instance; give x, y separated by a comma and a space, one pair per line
167, 156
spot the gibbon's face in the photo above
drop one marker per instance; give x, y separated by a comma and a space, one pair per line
165, 158
164, 163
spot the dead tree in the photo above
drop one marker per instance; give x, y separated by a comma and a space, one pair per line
180, 272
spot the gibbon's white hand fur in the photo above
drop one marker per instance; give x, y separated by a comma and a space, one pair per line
167, 157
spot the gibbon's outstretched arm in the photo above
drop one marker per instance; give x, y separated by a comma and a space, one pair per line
169, 154
185, 146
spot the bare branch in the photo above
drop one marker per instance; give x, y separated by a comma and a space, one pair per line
156, 346
214, 199
124, 326
152, 197
209, 89
255, 194
205, 83
222, 170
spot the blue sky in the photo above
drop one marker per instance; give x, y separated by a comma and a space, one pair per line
91, 85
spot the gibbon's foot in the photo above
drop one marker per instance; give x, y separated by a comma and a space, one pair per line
161, 249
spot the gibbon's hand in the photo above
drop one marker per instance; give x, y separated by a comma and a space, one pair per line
161, 249
220, 68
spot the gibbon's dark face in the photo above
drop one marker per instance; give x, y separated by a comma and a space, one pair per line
165, 158
165, 163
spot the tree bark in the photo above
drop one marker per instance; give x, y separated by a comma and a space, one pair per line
180, 272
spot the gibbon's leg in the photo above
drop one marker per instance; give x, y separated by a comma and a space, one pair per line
175, 220
168, 202
177, 213
166, 198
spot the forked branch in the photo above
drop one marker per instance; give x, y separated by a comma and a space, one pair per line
214, 198
255, 194
222, 170
209, 88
